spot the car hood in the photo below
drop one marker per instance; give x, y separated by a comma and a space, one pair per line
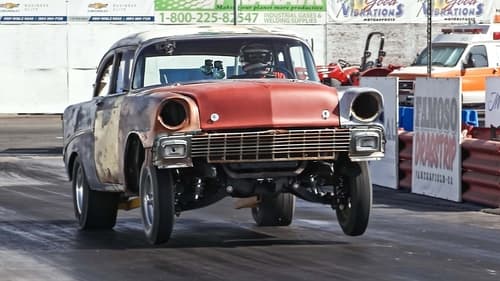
245, 104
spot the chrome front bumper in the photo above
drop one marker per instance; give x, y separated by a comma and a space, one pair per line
177, 151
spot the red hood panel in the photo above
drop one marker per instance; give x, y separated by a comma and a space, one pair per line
263, 104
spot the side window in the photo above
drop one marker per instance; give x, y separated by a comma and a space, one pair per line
123, 71
478, 56
280, 63
103, 81
299, 62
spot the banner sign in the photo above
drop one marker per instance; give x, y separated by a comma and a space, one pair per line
409, 11
436, 163
492, 105
384, 172
33, 11
111, 11
294, 12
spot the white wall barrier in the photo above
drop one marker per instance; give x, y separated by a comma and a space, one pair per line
385, 171
33, 68
86, 46
436, 153
492, 105
44, 68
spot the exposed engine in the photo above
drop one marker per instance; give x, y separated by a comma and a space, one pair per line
314, 181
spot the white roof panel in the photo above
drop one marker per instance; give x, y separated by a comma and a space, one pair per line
196, 31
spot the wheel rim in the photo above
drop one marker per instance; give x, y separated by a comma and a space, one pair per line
345, 204
148, 201
79, 190
346, 209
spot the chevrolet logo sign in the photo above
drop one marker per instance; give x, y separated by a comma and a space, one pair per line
98, 5
9, 5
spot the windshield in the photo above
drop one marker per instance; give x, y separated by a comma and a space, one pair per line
442, 55
185, 61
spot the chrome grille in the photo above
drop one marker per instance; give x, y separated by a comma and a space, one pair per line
271, 145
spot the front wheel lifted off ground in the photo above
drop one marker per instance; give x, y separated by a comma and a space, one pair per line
274, 210
93, 209
157, 203
353, 210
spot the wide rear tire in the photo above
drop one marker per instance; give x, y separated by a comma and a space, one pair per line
157, 203
275, 210
93, 209
354, 212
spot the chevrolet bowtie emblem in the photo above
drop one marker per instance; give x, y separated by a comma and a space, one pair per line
325, 114
98, 5
9, 5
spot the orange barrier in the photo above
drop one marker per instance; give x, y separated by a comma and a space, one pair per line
405, 159
486, 133
481, 171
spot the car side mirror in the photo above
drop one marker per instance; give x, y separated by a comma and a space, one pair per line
468, 62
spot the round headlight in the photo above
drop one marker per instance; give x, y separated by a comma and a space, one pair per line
366, 107
174, 114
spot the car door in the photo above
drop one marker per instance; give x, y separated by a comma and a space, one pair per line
107, 138
476, 70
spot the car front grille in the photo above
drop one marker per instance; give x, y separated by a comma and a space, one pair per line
271, 145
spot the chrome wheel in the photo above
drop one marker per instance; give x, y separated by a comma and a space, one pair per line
93, 209
157, 203
148, 201
79, 190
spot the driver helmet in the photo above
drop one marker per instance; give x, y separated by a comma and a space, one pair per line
256, 59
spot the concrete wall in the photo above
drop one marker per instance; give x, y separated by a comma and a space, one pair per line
402, 41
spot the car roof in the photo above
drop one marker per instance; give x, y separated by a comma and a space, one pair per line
192, 32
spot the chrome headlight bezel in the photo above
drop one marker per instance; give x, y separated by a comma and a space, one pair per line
174, 114
172, 151
367, 143
366, 107
353, 98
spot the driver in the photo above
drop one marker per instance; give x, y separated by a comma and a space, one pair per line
256, 61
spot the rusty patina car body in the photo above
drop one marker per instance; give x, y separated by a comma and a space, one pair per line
174, 126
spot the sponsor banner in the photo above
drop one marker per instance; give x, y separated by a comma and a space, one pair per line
436, 167
33, 11
248, 12
410, 11
111, 11
492, 106
385, 171
369, 11
457, 11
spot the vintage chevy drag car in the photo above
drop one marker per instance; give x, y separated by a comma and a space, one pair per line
179, 120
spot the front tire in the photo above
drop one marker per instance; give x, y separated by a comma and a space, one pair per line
274, 210
353, 211
157, 203
93, 209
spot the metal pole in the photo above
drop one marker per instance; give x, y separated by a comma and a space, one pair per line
235, 12
429, 37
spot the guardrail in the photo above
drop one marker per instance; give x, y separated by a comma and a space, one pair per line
480, 165
481, 171
405, 159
